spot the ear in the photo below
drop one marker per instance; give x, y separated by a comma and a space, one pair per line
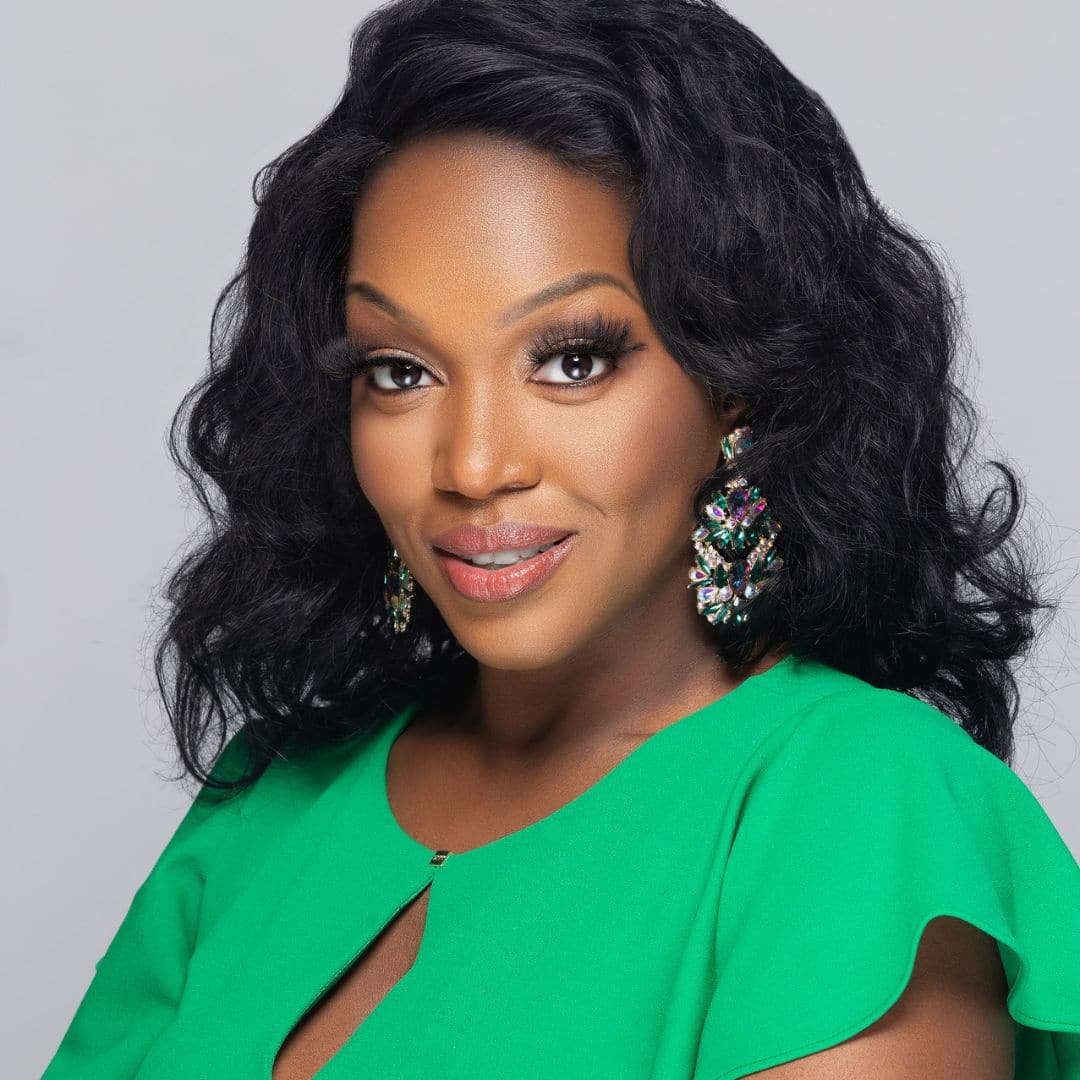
734, 408
731, 413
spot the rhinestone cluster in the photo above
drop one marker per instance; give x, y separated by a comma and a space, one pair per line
397, 592
735, 545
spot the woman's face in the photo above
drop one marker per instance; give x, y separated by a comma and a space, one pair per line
456, 231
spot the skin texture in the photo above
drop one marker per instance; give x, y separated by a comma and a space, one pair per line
455, 230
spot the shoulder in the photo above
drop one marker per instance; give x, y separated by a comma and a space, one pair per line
880, 857
291, 780
239, 825
864, 790
238, 836
866, 762
861, 732
857, 708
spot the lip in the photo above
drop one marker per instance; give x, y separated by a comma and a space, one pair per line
488, 586
471, 540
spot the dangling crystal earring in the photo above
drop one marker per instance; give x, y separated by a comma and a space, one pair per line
735, 544
397, 592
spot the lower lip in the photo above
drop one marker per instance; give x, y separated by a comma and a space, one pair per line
476, 583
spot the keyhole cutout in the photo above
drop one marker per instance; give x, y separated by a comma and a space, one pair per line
327, 1025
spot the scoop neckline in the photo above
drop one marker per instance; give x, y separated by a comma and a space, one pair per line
742, 696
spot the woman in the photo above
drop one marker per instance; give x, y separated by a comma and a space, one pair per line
711, 778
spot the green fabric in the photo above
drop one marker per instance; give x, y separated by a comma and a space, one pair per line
747, 887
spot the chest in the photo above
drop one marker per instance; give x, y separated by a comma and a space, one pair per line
328, 1025
337, 948
440, 797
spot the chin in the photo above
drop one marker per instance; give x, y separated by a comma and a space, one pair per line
509, 643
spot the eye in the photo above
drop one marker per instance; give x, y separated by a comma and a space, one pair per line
403, 374
572, 349
578, 364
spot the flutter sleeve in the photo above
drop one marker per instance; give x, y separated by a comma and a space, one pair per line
868, 815
138, 981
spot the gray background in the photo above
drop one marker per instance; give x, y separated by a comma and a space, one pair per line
132, 134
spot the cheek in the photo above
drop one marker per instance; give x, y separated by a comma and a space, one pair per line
643, 458
387, 464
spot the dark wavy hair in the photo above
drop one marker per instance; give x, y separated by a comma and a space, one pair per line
769, 270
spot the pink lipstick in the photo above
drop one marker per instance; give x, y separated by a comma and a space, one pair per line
506, 582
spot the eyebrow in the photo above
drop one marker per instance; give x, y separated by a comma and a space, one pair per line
567, 286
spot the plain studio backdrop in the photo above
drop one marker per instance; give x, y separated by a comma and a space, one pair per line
133, 133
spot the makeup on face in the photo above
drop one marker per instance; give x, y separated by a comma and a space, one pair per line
498, 562
502, 579
585, 338
528, 383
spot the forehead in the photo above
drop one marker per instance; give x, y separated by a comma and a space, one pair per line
470, 218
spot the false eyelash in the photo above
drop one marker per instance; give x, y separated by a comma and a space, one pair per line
597, 334
344, 359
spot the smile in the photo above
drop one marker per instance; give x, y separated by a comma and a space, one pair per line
495, 560
501, 579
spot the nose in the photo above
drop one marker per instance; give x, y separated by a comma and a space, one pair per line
482, 446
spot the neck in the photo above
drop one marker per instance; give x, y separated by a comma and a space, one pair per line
628, 682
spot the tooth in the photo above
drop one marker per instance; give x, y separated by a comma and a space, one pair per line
505, 558
508, 557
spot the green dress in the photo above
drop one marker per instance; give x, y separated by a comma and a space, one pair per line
747, 887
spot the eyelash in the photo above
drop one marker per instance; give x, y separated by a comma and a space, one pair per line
597, 335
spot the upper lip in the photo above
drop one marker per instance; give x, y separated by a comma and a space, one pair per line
502, 536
